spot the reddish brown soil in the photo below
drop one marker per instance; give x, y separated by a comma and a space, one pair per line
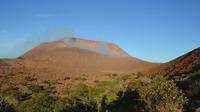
187, 63
55, 61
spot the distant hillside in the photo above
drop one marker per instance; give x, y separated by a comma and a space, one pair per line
188, 63
83, 56
91, 45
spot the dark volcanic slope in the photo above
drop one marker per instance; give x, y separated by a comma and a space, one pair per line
77, 55
187, 63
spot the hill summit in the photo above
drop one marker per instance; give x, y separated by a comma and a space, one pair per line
91, 45
83, 56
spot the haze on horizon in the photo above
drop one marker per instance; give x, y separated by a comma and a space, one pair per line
152, 30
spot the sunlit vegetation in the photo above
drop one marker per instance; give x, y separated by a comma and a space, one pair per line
38, 103
190, 84
123, 94
162, 96
5, 106
34, 88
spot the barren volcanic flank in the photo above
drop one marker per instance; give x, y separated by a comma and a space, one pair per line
76, 55
73, 59
187, 63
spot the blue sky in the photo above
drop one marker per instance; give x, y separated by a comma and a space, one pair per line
153, 30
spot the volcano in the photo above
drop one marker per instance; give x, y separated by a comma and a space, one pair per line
77, 55
104, 48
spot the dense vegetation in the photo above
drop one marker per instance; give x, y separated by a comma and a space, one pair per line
190, 84
124, 94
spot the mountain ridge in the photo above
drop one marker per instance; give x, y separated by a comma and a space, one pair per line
188, 62
92, 45
76, 53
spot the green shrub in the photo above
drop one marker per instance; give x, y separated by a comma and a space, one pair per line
162, 96
114, 75
67, 78
14, 96
78, 99
139, 74
81, 92
104, 93
125, 77
80, 78
194, 88
34, 88
30, 78
68, 104
48, 82
96, 81
39, 103
5, 106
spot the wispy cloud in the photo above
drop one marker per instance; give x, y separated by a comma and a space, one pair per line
49, 35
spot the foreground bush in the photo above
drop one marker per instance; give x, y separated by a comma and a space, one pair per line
39, 103
162, 96
125, 94
4, 106
78, 99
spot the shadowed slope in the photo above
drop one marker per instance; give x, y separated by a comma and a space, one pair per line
190, 62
